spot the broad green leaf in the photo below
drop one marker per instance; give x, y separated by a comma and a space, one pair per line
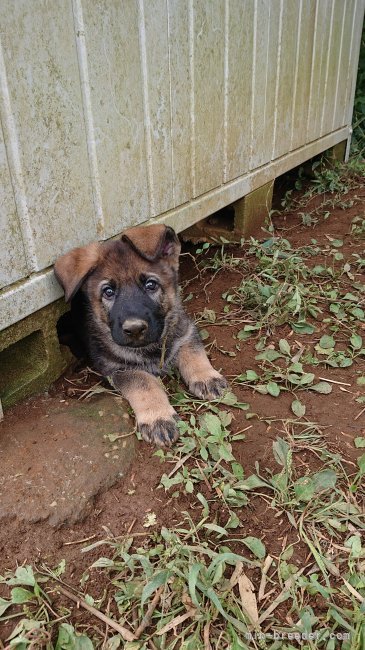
273, 389
302, 327
324, 480
287, 553
169, 482
225, 453
212, 423
269, 355
238, 470
284, 346
193, 579
189, 486
298, 408
256, 546
233, 521
216, 529
356, 341
306, 378
4, 604
251, 375
251, 483
280, 450
20, 595
69, 640
359, 442
296, 367
262, 389
204, 334
114, 643
354, 543
230, 399
361, 463
156, 582
23, 576
304, 488
204, 503
322, 387
327, 342
102, 563
358, 313
204, 453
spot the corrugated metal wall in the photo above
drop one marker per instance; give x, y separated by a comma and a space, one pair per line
117, 111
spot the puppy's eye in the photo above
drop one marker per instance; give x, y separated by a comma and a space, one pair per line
151, 285
108, 292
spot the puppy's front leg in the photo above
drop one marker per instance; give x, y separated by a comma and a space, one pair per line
156, 419
197, 371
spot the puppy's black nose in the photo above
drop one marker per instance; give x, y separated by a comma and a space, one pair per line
134, 327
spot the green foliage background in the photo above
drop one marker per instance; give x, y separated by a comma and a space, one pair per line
358, 139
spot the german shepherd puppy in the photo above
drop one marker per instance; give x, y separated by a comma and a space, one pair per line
135, 327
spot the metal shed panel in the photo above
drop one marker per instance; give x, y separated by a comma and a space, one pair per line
239, 43
115, 112
180, 104
45, 99
303, 72
285, 81
111, 71
265, 69
12, 259
207, 74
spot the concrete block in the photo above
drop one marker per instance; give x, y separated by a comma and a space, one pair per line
30, 354
242, 218
251, 212
338, 152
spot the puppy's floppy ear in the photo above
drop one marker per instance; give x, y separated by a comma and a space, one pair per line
154, 242
73, 268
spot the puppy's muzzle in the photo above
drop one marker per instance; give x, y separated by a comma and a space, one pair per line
135, 329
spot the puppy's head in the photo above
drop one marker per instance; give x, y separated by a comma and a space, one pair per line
131, 284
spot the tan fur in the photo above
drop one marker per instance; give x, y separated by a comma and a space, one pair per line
148, 242
72, 268
196, 370
143, 252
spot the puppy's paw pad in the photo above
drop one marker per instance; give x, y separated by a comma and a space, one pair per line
210, 388
162, 432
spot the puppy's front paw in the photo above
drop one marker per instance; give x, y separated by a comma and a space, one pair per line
210, 388
161, 432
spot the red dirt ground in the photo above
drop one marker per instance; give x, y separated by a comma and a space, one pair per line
119, 511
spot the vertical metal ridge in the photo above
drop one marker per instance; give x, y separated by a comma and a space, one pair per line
225, 104
339, 68
170, 96
253, 95
312, 70
15, 168
146, 106
349, 67
81, 49
352, 74
299, 28
192, 96
329, 48
278, 62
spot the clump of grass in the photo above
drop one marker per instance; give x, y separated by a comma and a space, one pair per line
281, 285
203, 582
